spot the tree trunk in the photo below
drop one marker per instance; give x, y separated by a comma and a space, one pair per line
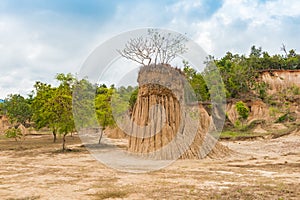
101, 133
54, 136
64, 142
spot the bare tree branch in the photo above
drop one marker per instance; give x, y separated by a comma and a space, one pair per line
156, 48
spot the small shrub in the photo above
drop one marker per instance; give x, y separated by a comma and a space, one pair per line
282, 118
237, 124
286, 117
242, 110
15, 133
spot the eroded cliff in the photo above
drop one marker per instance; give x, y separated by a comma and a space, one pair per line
163, 114
279, 80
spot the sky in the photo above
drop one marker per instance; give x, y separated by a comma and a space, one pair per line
40, 38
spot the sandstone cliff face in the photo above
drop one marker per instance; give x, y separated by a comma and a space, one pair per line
231, 112
258, 110
285, 85
162, 121
281, 79
262, 111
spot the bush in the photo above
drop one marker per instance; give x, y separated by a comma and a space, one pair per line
242, 110
15, 133
237, 124
286, 117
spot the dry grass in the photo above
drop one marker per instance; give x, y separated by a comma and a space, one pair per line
26, 198
257, 192
112, 193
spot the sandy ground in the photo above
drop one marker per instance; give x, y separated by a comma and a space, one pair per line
259, 169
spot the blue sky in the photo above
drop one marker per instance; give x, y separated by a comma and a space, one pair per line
39, 38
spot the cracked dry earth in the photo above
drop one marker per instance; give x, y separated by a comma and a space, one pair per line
259, 169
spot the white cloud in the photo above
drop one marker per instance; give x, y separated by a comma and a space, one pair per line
185, 6
283, 8
239, 24
31, 52
38, 46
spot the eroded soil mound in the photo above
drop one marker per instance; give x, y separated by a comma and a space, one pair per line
166, 127
114, 133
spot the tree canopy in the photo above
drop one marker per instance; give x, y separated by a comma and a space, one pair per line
18, 109
52, 106
240, 73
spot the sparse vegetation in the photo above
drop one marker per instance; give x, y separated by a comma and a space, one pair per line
112, 193
14, 133
287, 117
49, 108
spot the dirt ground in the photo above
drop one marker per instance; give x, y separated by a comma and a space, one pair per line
259, 169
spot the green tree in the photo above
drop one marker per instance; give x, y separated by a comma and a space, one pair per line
125, 96
53, 106
44, 114
242, 110
255, 52
215, 84
103, 107
133, 97
18, 109
237, 74
293, 60
2, 109
111, 104
196, 81
84, 104
62, 105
